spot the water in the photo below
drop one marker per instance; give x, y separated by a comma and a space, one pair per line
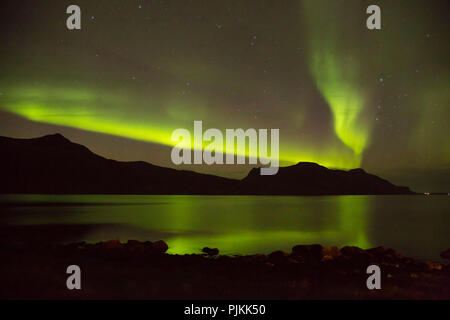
416, 226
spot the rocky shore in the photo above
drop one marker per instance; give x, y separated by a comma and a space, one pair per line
143, 270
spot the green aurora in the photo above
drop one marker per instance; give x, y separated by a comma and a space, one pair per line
337, 74
341, 95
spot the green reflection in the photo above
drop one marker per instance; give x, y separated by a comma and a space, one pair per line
234, 224
354, 216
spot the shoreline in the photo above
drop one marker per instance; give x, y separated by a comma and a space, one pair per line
143, 270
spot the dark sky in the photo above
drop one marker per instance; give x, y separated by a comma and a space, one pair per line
341, 95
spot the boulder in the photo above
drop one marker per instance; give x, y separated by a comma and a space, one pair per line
378, 251
259, 258
392, 254
134, 243
110, 244
445, 254
433, 266
137, 245
210, 251
278, 257
308, 251
356, 256
160, 246
383, 253
352, 251
225, 260
330, 253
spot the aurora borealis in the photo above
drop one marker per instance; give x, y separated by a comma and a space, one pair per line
341, 95
336, 74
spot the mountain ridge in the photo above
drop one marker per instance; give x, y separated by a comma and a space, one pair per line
54, 164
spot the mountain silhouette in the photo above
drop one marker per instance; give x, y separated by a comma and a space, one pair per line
307, 178
54, 164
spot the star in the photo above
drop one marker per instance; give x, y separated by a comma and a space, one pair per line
211, 60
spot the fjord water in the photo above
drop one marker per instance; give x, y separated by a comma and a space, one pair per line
416, 226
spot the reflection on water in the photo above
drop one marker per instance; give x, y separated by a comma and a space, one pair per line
415, 225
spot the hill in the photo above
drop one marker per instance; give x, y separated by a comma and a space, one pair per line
53, 164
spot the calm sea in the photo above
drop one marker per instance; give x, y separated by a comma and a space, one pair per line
417, 226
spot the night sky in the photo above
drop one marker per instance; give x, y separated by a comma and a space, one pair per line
342, 95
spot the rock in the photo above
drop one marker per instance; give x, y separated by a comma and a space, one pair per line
134, 244
292, 261
210, 252
299, 259
160, 246
352, 251
278, 257
383, 253
408, 261
330, 253
308, 251
446, 254
110, 244
245, 259
225, 259
434, 266
378, 251
355, 256
392, 254
259, 258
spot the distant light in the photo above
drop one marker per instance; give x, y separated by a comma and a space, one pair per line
427, 193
